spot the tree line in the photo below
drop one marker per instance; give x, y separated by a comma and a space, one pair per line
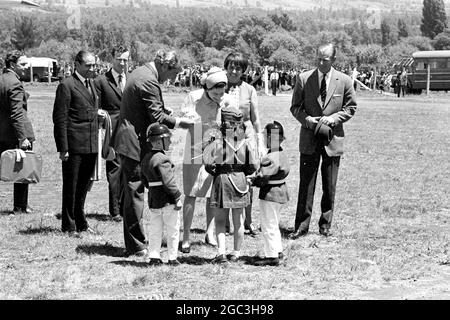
285, 39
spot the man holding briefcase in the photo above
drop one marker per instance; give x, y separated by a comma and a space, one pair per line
16, 130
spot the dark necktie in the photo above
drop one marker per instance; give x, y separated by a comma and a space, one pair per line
323, 89
86, 83
120, 84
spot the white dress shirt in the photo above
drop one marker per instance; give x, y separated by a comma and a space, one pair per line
116, 78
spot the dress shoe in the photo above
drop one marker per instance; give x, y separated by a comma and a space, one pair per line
117, 218
73, 234
325, 232
220, 258
18, 210
297, 234
186, 249
155, 262
252, 230
267, 262
173, 262
88, 230
139, 253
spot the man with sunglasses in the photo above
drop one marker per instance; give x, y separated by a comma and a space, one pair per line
76, 135
142, 105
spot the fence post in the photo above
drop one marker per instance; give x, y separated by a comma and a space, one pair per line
428, 77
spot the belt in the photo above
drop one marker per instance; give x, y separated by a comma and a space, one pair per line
276, 181
155, 183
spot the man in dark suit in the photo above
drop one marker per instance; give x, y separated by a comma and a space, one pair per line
327, 95
142, 105
75, 121
109, 89
16, 130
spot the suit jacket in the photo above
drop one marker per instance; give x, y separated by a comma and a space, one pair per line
340, 104
14, 122
75, 117
274, 166
110, 96
142, 105
157, 167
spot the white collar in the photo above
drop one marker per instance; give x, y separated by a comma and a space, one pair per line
152, 64
82, 79
116, 75
327, 77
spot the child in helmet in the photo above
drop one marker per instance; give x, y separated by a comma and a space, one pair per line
164, 196
273, 192
230, 159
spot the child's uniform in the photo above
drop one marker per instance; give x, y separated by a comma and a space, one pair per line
158, 177
272, 194
229, 165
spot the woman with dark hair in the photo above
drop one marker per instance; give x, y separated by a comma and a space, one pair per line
243, 96
203, 106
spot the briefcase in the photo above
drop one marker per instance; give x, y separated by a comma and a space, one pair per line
26, 170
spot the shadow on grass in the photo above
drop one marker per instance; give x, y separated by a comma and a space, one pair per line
198, 231
39, 230
103, 250
6, 212
131, 263
98, 216
189, 260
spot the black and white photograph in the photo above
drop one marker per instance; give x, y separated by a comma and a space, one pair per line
228, 157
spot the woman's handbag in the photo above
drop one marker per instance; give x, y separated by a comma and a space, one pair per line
20, 166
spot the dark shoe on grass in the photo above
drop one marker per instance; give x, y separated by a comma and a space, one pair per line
220, 258
155, 262
268, 262
173, 263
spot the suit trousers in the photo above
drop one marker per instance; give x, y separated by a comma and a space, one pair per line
270, 219
274, 84
309, 166
163, 220
133, 205
77, 171
20, 194
115, 187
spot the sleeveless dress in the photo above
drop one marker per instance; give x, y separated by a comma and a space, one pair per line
206, 113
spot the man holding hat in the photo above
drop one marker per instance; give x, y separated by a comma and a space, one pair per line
323, 99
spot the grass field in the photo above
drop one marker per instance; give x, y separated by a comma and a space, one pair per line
390, 238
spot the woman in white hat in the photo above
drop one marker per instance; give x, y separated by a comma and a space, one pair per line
202, 105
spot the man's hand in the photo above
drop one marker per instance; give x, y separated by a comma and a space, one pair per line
186, 123
64, 156
312, 121
329, 121
25, 144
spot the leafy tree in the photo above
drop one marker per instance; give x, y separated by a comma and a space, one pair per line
283, 21
276, 41
442, 40
385, 31
434, 18
420, 42
283, 58
403, 31
24, 35
370, 56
